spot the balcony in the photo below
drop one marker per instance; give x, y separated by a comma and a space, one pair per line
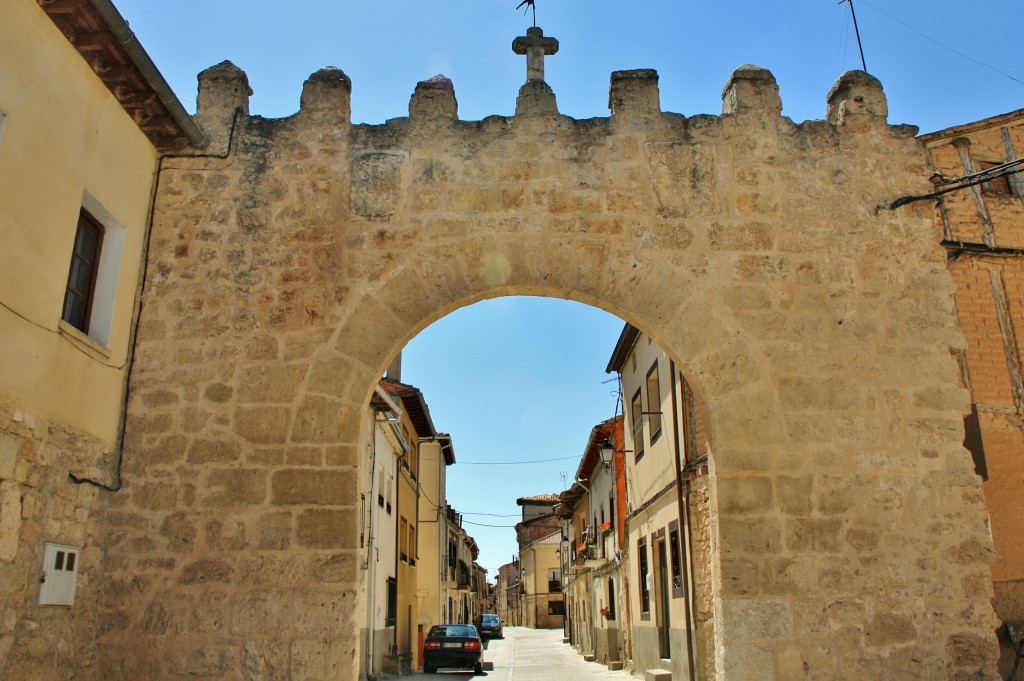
589, 556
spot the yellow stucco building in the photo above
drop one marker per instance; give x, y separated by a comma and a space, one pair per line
79, 158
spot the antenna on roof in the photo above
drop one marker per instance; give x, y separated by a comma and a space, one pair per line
856, 31
529, 5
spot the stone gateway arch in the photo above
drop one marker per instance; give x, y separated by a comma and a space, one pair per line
292, 259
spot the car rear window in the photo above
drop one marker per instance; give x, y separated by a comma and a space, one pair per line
452, 630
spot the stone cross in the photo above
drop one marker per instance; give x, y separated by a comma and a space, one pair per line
535, 46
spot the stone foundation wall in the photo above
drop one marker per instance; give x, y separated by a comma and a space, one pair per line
39, 504
703, 557
607, 645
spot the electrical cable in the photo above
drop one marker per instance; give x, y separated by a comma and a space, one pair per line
140, 300
969, 180
470, 522
945, 47
58, 333
513, 463
494, 515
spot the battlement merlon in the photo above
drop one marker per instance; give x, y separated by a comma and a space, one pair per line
634, 93
856, 102
751, 89
223, 91
434, 101
328, 93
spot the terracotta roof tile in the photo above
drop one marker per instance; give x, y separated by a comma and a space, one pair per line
538, 499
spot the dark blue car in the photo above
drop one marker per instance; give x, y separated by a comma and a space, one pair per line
453, 645
489, 626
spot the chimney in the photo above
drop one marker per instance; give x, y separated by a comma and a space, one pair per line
394, 372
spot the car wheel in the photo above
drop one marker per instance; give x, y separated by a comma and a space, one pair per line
479, 668
429, 669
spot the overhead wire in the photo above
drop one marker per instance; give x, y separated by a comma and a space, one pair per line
513, 463
943, 46
470, 522
57, 332
963, 182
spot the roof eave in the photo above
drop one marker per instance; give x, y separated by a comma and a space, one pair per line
966, 128
622, 347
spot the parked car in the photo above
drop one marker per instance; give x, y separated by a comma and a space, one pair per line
489, 626
453, 645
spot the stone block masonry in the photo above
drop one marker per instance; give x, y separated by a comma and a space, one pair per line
291, 263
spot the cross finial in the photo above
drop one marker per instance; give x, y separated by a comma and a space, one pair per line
535, 46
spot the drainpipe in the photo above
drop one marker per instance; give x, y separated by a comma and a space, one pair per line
684, 521
127, 39
371, 556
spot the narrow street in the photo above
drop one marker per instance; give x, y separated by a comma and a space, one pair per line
533, 655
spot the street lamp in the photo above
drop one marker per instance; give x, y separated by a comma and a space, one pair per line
607, 452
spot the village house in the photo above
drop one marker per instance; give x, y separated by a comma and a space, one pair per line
667, 551
481, 592
379, 559
85, 118
402, 604
405, 463
507, 591
574, 512
541, 602
593, 514
436, 455
981, 227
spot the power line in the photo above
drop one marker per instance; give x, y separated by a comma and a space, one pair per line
945, 47
494, 515
470, 522
969, 180
512, 463
856, 30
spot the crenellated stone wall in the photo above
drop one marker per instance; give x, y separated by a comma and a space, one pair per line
294, 258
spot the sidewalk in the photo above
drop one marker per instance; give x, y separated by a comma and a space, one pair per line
533, 655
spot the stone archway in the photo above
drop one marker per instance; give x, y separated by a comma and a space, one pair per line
289, 264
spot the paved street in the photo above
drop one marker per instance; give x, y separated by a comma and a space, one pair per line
534, 655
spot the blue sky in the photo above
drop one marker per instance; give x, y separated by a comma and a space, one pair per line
521, 379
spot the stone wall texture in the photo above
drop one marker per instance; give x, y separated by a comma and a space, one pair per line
293, 260
38, 504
